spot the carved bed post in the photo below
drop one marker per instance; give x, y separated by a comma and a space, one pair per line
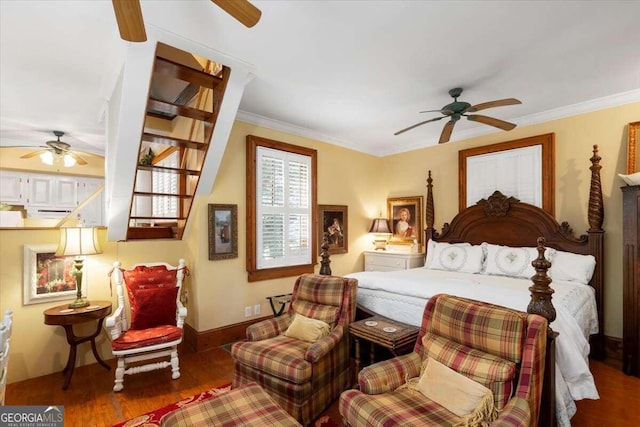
325, 270
428, 211
541, 304
596, 244
540, 290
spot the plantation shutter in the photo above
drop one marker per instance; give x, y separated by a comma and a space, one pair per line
283, 208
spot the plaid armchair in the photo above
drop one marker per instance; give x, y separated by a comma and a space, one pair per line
302, 377
500, 348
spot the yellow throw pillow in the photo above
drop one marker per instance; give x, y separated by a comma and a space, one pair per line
307, 329
466, 398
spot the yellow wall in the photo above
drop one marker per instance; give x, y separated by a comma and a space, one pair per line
219, 290
38, 349
574, 138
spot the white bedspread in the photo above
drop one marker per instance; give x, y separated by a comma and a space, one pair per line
402, 295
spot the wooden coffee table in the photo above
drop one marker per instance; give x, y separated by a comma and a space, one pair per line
398, 338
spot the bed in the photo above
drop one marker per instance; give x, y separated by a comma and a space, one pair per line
576, 314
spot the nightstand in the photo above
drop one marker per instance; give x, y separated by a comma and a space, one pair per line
389, 261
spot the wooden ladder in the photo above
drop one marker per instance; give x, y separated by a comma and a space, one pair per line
191, 120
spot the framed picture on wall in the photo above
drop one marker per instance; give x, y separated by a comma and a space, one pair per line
633, 146
47, 277
333, 219
405, 218
223, 231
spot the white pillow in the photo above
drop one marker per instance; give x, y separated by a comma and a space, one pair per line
457, 393
431, 247
463, 257
572, 267
512, 262
307, 329
631, 179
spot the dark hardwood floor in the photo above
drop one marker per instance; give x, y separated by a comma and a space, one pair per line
90, 401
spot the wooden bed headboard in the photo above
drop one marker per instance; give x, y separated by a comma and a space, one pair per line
504, 220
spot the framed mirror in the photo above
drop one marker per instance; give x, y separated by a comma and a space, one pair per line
633, 162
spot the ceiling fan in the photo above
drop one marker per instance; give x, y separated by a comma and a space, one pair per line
458, 109
57, 150
131, 25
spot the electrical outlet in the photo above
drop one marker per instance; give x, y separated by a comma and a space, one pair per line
256, 309
247, 311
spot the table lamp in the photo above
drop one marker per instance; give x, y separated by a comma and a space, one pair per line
78, 242
380, 230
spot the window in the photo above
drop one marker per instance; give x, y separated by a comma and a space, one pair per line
167, 183
281, 206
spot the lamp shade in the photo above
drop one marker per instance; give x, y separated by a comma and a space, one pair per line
78, 241
380, 226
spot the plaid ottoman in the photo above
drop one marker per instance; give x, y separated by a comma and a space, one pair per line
248, 405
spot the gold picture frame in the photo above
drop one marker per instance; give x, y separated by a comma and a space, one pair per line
405, 219
633, 138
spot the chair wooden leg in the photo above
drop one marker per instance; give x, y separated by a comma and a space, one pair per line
119, 375
175, 364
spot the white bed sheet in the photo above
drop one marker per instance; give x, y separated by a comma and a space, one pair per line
402, 295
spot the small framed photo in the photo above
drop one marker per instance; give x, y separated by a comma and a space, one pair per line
47, 277
405, 217
223, 231
333, 219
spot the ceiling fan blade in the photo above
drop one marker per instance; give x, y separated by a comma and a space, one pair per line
242, 10
491, 104
79, 160
33, 154
418, 124
446, 131
129, 19
491, 121
438, 111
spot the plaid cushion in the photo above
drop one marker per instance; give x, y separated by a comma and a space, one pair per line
245, 406
396, 408
282, 357
318, 297
491, 371
326, 313
146, 337
457, 319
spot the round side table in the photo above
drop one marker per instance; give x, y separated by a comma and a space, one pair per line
66, 317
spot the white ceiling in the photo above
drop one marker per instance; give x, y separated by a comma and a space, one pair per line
345, 72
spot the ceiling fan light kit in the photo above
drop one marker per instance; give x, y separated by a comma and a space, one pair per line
57, 152
458, 109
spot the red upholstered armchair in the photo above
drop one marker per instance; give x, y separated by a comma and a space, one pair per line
157, 317
303, 377
501, 349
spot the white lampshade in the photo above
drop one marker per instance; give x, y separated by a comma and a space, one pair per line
47, 158
78, 241
69, 161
